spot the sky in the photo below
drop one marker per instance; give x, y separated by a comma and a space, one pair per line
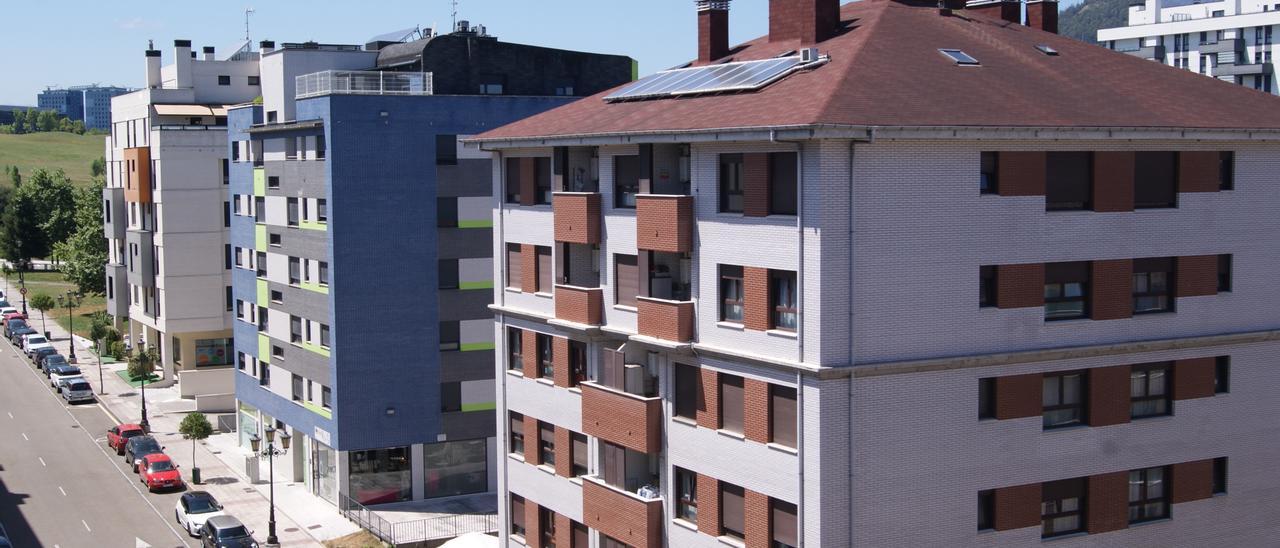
102, 41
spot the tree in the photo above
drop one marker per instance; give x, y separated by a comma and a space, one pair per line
195, 427
48, 120
142, 363
19, 121
16, 177
21, 237
99, 167
99, 326
56, 198
43, 302
84, 252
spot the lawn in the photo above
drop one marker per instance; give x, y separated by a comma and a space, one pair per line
53, 151
54, 284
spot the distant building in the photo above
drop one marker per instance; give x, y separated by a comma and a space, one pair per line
63, 101
6, 113
90, 104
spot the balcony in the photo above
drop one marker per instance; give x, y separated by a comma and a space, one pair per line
117, 290
629, 420
577, 217
350, 82
666, 320
1154, 53
624, 516
141, 258
1242, 69
114, 211
664, 222
584, 305
137, 175
1223, 46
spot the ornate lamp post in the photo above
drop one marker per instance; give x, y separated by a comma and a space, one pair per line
23, 282
269, 452
73, 300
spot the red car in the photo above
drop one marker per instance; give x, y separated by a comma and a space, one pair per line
117, 436
158, 472
13, 315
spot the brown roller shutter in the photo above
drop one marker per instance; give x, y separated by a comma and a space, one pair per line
515, 267
1019, 396
1020, 285
1017, 507
544, 268
755, 184
1022, 173
1112, 181
1108, 395
1192, 481
1198, 171
627, 279
1193, 378
1111, 297
1108, 502
1197, 275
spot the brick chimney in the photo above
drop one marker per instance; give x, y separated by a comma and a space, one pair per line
810, 21
1009, 10
1043, 14
713, 29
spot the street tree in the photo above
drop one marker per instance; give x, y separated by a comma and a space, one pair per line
83, 253
43, 302
195, 427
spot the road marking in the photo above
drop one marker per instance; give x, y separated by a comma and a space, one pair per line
86, 526
61, 490
24, 437
10, 414
42, 462
108, 413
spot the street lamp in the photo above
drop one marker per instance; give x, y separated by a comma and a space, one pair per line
73, 300
23, 282
269, 452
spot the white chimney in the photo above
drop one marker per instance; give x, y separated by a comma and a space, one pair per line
153, 68
182, 64
208, 53
266, 46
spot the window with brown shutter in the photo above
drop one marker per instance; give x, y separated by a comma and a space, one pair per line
547, 527
1149, 391
542, 180
785, 531
730, 293
783, 300
1064, 399
626, 279
732, 511
782, 415
1148, 494
545, 271
546, 362
579, 537
517, 515
579, 450
546, 443
731, 400
613, 464
686, 495
514, 265
577, 362
515, 440
731, 183
1068, 180
1155, 180
1062, 507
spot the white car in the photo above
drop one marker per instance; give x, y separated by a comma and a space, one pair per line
61, 374
33, 342
194, 508
76, 389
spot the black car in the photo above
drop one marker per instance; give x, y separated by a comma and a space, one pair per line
52, 361
16, 334
10, 325
226, 532
39, 356
138, 447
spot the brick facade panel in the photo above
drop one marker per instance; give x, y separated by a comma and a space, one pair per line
577, 218
1108, 502
528, 268
755, 298
564, 453
529, 353
579, 305
560, 357
708, 411
627, 421
532, 528
1019, 396
667, 320
1017, 507
1108, 395
1193, 378
1197, 275
531, 453
664, 223
1113, 181
755, 410
1111, 294
634, 522
1192, 481
1022, 173
755, 184
708, 505
756, 514
1020, 285
1198, 171
564, 532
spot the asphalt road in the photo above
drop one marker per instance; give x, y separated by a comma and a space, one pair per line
60, 486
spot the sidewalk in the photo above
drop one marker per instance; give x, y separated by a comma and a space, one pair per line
301, 519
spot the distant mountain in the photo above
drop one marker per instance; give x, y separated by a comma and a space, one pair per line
1083, 20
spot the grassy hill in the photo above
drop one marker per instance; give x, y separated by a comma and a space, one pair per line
54, 150
1083, 20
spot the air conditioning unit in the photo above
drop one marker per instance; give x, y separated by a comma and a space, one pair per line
809, 55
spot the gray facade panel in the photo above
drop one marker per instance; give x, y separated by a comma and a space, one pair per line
464, 305
117, 290
468, 178
301, 361
140, 259
468, 424
301, 302
466, 366
302, 243
465, 243
114, 222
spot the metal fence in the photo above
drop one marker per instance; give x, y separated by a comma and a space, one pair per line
420, 530
362, 83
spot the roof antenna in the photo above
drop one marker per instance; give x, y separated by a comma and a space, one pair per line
247, 11
151, 44
455, 14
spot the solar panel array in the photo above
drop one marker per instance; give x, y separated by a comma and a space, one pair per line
740, 76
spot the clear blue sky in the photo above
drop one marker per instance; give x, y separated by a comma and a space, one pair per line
101, 41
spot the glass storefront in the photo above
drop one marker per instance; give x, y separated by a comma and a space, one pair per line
324, 471
211, 352
455, 468
379, 476
247, 424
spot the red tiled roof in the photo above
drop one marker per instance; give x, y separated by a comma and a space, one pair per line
885, 70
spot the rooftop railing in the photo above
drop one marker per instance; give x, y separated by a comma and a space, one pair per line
347, 82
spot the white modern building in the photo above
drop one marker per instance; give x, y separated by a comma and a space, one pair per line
1228, 40
166, 213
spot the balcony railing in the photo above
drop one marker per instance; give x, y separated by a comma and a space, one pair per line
577, 217
629, 420
624, 516
582, 305
664, 222
349, 82
667, 320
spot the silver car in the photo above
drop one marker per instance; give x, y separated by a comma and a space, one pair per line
76, 390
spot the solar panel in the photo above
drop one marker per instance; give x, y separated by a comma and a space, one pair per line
740, 76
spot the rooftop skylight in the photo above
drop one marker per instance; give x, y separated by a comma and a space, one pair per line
960, 57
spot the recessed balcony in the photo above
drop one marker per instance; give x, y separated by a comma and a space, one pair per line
630, 420
577, 217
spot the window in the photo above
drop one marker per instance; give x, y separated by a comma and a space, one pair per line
448, 274
731, 183
577, 362
515, 360
1068, 180
1222, 375
273, 240
1155, 180
1152, 285
320, 146
731, 399
264, 374
324, 335
1220, 476
326, 397
291, 211
322, 210
447, 212
782, 297
295, 329
686, 495
782, 415
511, 181
626, 181
1224, 273
450, 336
1066, 291
730, 293
450, 397
227, 259
454, 468
259, 209
323, 270
547, 527
784, 527
544, 268
579, 450
295, 270
297, 388
1149, 391
732, 514
578, 537
224, 80
446, 150
254, 80
516, 442
1063, 399
986, 509
517, 515
626, 279
1147, 495
686, 391
783, 193
542, 181
986, 286
986, 398
514, 267
277, 296
546, 443
277, 352
273, 182
490, 89
290, 148
1062, 507
1226, 170
546, 363
989, 176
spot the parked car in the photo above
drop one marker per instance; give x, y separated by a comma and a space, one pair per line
33, 342
63, 372
76, 389
6, 310
194, 508
13, 324
158, 471
19, 333
138, 447
64, 382
118, 435
39, 355
51, 361
226, 532
4, 303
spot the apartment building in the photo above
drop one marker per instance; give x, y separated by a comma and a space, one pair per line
90, 104
360, 238
165, 216
1230, 41
895, 274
